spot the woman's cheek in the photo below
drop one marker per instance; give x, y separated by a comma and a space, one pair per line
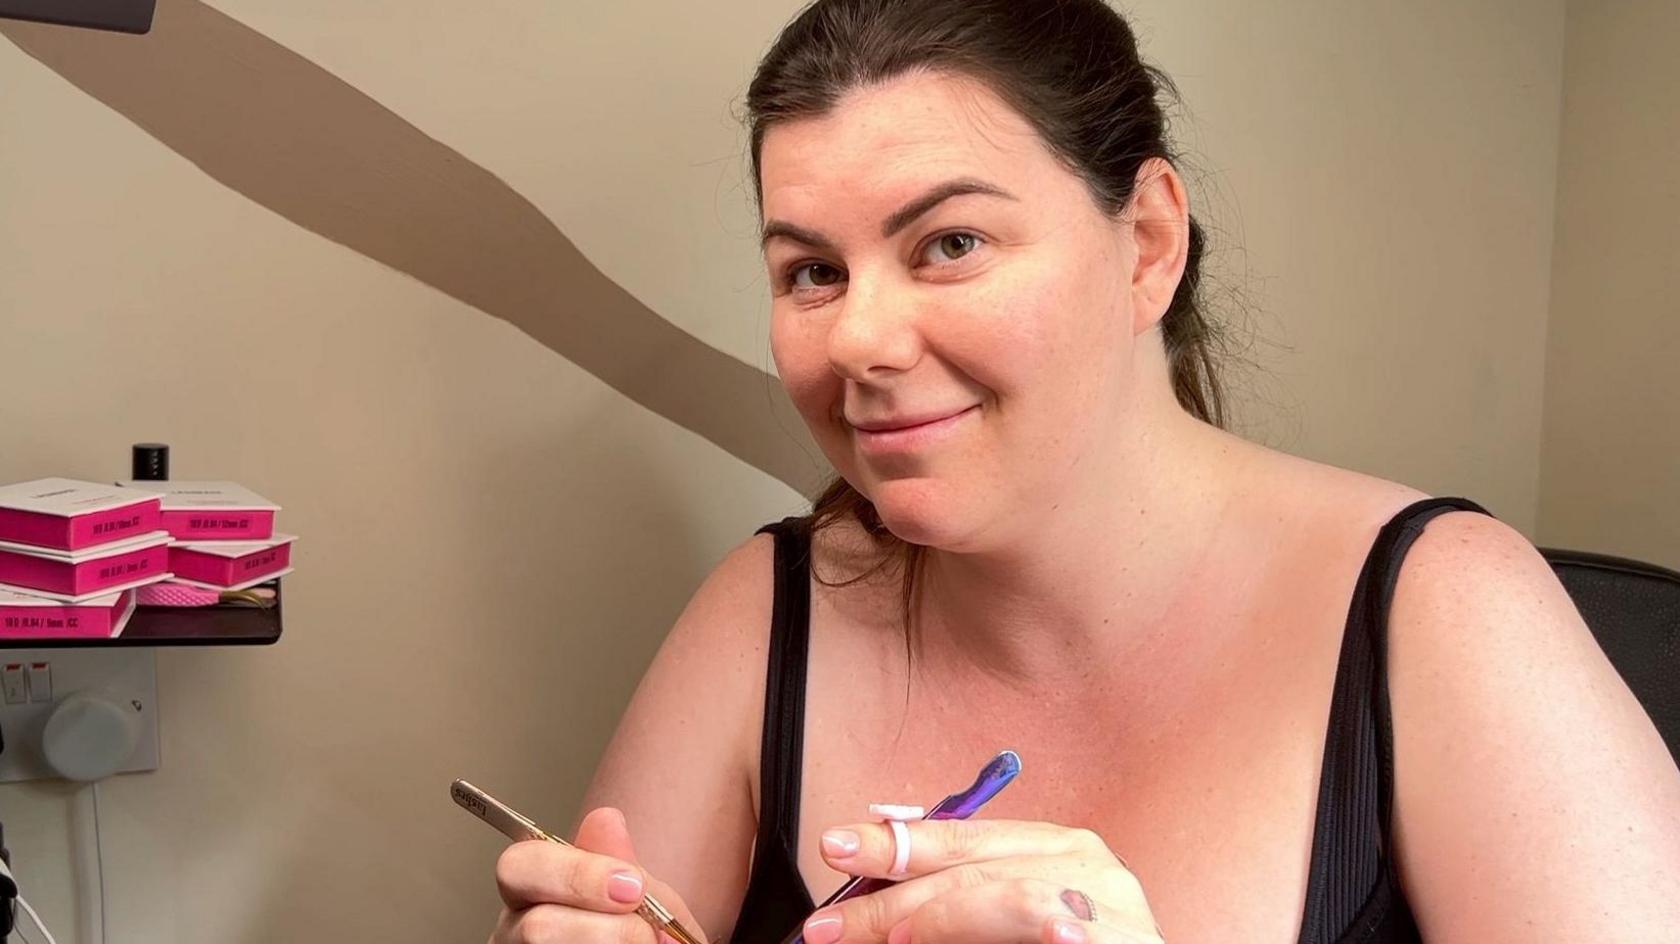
1002, 340
799, 359
816, 397
815, 392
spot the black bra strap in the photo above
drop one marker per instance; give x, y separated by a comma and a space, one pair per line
1383, 572
1352, 842
781, 754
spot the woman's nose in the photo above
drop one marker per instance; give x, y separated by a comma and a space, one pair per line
875, 332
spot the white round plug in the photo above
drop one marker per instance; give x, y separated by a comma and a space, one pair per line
89, 736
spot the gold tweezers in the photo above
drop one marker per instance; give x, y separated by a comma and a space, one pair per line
517, 827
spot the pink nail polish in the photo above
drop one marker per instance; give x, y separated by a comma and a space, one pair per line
624, 887
1067, 932
822, 930
841, 843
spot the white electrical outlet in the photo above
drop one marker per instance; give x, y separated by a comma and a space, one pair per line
126, 676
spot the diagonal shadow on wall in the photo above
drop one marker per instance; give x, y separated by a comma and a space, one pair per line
298, 140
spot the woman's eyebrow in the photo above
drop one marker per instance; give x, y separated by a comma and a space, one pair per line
800, 234
939, 194
903, 217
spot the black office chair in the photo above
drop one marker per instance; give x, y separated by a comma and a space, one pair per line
1633, 609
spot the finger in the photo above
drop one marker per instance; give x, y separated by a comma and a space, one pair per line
534, 872
1090, 926
557, 924
868, 848
1074, 931
1013, 911
605, 830
868, 918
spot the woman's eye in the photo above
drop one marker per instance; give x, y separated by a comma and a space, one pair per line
815, 275
950, 247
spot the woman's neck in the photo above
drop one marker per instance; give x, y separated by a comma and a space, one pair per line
1099, 575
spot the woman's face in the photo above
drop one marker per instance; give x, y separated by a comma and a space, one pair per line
952, 313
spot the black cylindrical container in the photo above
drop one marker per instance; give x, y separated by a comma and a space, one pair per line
151, 462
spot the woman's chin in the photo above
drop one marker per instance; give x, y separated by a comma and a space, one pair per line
922, 512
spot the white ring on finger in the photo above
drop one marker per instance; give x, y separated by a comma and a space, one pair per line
894, 816
901, 847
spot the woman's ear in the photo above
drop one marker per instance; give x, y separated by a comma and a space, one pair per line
1159, 212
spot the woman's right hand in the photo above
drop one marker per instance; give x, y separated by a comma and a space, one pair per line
555, 894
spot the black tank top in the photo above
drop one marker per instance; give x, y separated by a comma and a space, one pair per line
1353, 896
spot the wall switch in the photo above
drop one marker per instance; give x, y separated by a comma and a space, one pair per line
126, 676
40, 681
15, 683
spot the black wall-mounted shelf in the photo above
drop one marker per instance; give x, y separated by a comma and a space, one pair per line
225, 624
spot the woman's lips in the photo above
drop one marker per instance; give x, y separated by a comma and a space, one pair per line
910, 438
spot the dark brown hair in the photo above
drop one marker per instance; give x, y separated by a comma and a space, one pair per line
1070, 68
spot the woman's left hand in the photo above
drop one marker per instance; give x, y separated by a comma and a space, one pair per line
984, 882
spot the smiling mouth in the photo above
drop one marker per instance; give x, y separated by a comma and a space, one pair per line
867, 428
911, 436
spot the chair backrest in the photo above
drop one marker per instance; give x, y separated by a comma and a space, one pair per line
1633, 608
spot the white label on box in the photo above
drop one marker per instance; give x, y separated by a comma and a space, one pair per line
232, 549
188, 496
13, 598
265, 578
67, 498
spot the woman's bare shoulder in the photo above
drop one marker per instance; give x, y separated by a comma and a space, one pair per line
712, 658
1321, 502
696, 711
1523, 763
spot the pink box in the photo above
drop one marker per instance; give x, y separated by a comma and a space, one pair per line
69, 515
212, 511
231, 565
75, 576
28, 617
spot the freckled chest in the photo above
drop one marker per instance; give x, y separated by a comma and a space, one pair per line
1207, 790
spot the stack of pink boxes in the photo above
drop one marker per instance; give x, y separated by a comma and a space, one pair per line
77, 557
224, 537
72, 554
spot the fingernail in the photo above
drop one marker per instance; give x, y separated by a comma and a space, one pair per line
1066, 932
900, 934
841, 843
624, 887
822, 930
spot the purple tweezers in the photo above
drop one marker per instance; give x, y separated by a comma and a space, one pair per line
996, 775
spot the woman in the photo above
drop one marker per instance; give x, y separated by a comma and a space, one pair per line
1208, 653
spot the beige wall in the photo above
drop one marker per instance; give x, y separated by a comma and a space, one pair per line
1611, 460
1384, 174
494, 539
